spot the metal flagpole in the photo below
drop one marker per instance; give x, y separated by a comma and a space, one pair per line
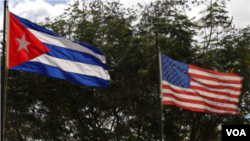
3, 72
159, 87
158, 52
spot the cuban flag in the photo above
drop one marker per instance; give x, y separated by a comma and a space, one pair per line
35, 49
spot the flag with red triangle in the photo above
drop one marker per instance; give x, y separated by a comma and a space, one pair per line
36, 49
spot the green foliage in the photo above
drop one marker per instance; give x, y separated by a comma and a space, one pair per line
42, 108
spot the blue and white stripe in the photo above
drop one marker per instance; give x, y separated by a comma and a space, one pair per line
73, 61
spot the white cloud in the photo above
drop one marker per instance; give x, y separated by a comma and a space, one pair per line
194, 13
34, 10
240, 11
38, 10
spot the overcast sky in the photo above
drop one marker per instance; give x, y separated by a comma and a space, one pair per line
37, 10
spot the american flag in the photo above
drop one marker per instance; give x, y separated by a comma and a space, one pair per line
198, 89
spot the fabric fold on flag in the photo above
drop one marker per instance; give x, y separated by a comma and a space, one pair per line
198, 89
36, 49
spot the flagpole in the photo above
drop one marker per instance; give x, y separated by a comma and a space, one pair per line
3, 72
158, 52
159, 77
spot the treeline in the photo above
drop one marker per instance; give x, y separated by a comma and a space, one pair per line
47, 109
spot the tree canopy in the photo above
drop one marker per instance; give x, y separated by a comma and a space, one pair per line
42, 108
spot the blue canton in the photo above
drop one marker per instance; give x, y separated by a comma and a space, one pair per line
175, 72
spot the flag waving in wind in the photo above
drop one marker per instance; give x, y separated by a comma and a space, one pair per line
35, 49
198, 89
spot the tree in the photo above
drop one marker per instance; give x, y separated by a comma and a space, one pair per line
42, 108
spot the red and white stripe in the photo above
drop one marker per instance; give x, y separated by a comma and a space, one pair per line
210, 92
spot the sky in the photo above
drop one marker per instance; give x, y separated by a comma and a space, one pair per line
38, 10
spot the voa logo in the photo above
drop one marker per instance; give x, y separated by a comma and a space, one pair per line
236, 132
